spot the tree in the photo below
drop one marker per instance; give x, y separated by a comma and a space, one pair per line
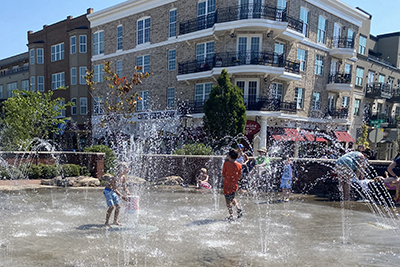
29, 115
224, 111
363, 139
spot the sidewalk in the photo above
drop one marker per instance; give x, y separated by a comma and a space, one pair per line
18, 184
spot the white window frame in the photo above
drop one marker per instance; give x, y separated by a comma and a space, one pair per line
171, 97
25, 85
1, 91
40, 55
144, 62
302, 58
40, 83
57, 52
205, 53
362, 45
319, 64
172, 23
359, 76
304, 17
82, 74
277, 91
11, 87
119, 68
98, 102
249, 96
143, 31
142, 104
73, 76
83, 105
120, 37
357, 104
98, 73
345, 101
82, 44
72, 41
32, 83
74, 107
202, 92
299, 97
321, 37
316, 101
59, 108
57, 80
98, 43
331, 102
172, 59
32, 56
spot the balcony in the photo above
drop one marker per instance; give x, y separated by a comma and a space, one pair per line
390, 121
8, 72
379, 90
253, 62
248, 16
339, 82
342, 113
343, 48
253, 103
395, 96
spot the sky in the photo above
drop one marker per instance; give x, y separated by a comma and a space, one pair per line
17, 17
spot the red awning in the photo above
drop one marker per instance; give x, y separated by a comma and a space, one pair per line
343, 137
311, 137
294, 135
279, 137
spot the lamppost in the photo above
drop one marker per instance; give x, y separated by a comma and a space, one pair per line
184, 117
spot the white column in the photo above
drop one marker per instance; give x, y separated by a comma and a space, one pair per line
263, 133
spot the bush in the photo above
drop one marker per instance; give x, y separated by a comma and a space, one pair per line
109, 160
49, 171
34, 172
194, 149
83, 170
70, 170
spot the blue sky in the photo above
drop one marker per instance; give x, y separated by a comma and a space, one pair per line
19, 16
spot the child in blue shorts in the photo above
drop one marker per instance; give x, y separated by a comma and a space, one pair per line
287, 178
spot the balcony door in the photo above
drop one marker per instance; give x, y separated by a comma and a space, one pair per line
205, 14
248, 49
280, 8
279, 52
250, 89
337, 32
371, 78
250, 9
334, 67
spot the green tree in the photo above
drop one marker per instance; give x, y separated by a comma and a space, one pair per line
224, 111
28, 115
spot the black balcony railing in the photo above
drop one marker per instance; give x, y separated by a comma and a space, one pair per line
14, 71
240, 12
340, 78
342, 113
379, 90
342, 42
252, 103
237, 58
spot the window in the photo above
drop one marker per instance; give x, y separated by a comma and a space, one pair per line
357, 107
345, 102
40, 83
359, 76
57, 52
205, 10
144, 62
321, 38
172, 23
304, 19
11, 87
279, 49
60, 108
319, 64
82, 74
381, 79
316, 101
362, 45
98, 43
171, 97
73, 107
301, 57
82, 44
171, 59
57, 80
143, 31
119, 68
119, 37
1, 91
33, 88
201, 93
73, 76
298, 97
281, 6
98, 105
15, 69
143, 103
73, 44
276, 92
331, 102
249, 87
32, 56
98, 73
83, 105
40, 59
204, 53
25, 85
347, 69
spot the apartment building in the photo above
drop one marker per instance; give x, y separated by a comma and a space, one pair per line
59, 55
14, 74
295, 61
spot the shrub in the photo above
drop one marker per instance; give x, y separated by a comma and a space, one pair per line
109, 160
194, 149
70, 170
83, 170
34, 171
49, 171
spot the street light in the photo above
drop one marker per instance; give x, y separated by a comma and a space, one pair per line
184, 117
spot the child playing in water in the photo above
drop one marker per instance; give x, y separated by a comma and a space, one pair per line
111, 193
286, 179
202, 179
232, 173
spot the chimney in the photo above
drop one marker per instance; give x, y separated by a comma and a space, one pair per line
89, 11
